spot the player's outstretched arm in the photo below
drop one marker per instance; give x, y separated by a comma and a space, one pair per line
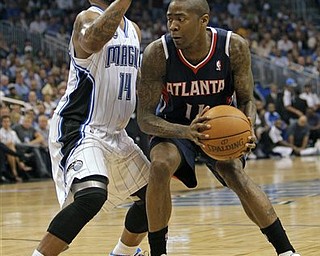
92, 31
153, 72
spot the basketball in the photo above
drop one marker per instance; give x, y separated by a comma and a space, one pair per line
229, 133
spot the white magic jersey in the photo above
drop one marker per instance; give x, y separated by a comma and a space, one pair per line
101, 90
87, 131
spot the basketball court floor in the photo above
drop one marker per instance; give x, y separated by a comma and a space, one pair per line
206, 221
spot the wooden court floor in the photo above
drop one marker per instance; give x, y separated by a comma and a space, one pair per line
205, 221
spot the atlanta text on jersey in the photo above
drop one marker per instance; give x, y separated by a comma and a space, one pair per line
196, 88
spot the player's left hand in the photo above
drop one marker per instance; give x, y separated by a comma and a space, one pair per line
251, 143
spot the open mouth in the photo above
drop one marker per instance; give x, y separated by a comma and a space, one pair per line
177, 39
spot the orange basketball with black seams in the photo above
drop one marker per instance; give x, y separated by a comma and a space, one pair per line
229, 132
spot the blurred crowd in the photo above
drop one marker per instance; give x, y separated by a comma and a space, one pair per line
287, 121
275, 33
35, 83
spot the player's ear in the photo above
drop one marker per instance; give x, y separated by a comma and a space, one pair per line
205, 19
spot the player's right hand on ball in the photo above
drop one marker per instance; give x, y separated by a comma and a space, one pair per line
198, 125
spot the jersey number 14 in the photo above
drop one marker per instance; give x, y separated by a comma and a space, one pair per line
125, 86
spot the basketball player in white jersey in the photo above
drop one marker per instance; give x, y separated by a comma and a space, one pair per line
94, 160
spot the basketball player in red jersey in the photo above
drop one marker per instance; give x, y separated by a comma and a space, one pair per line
94, 161
191, 68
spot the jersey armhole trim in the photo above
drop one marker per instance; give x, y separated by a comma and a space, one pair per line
228, 43
165, 47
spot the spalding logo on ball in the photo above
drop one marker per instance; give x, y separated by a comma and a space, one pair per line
229, 133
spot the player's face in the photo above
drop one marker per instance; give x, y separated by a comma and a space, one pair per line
184, 25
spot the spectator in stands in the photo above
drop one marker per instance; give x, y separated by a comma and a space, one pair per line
265, 46
63, 35
55, 73
43, 77
21, 88
5, 175
30, 112
273, 141
49, 104
64, 72
50, 84
13, 92
4, 67
40, 110
61, 89
45, 11
271, 115
310, 97
314, 124
22, 21
273, 95
10, 139
295, 107
15, 65
317, 72
4, 110
27, 133
30, 142
27, 50
284, 44
32, 76
310, 67
234, 8
33, 100
298, 135
4, 84
34, 86
65, 4
53, 26
260, 121
278, 58
38, 25
43, 129
15, 114
257, 18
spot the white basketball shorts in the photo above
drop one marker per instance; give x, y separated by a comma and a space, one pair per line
115, 156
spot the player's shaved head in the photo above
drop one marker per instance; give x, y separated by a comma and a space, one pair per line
200, 7
108, 2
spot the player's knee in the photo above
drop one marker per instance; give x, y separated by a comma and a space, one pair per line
136, 219
69, 221
229, 170
160, 171
90, 194
91, 203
